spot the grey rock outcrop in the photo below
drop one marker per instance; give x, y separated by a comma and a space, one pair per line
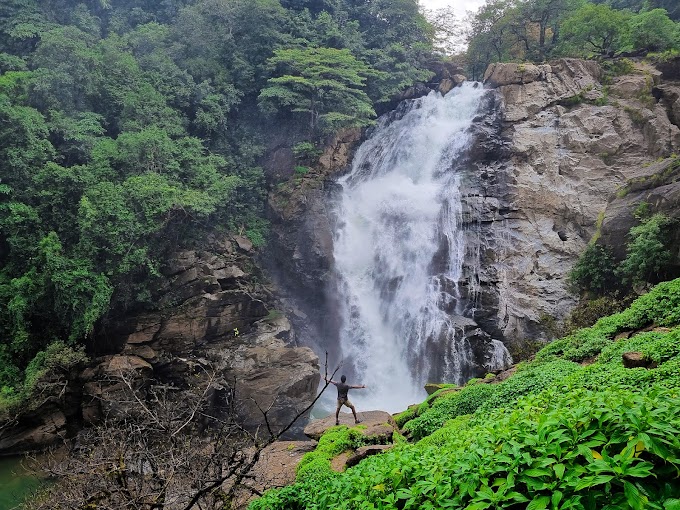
551, 158
376, 425
269, 374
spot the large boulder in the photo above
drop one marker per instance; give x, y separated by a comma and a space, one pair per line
269, 375
366, 451
275, 468
376, 425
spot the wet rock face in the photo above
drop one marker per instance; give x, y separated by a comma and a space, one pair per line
299, 254
548, 161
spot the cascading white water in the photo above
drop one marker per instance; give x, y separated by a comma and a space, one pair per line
399, 215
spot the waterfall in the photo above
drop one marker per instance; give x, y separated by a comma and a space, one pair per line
399, 249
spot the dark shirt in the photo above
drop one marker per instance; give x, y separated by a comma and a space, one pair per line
342, 390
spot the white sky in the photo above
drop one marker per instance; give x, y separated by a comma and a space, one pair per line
460, 6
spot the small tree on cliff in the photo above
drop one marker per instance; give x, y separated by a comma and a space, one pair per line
325, 84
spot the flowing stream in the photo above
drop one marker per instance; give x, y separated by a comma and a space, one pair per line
399, 249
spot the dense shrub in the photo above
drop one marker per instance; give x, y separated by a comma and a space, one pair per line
57, 357
534, 379
594, 271
555, 435
648, 253
462, 402
660, 306
589, 311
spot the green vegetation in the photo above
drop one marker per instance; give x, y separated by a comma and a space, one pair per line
648, 253
316, 466
326, 85
649, 257
594, 271
534, 30
555, 435
56, 357
132, 128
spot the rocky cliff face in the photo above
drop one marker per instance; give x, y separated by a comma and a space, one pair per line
554, 145
299, 255
215, 327
548, 164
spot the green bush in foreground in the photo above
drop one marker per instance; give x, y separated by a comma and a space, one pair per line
316, 465
556, 435
460, 403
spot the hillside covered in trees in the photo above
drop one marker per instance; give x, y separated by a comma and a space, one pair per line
131, 127
535, 30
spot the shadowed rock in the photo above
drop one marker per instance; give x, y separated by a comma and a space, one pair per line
636, 360
366, 451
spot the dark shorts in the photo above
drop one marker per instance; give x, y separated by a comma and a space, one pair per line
344, 402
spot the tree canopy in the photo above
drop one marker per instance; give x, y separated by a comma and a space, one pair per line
324, 84
535, 30
134, 127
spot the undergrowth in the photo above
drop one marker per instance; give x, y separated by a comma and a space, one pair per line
573, 428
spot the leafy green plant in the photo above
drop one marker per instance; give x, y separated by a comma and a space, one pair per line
594, 271
316, 465
306, 151
647, 252
301, 171
447, 407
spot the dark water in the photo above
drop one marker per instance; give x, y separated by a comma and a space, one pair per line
15, 483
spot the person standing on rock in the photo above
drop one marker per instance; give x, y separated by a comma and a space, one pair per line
342, 397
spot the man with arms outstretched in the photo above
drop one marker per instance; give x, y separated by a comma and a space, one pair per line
342, 397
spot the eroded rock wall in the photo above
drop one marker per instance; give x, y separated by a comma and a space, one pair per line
545, 173
215, 329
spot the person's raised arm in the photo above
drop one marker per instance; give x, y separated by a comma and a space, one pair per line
358, 387
330, 381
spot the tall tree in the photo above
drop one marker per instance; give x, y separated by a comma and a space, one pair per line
653, 31
596, 28
325, 84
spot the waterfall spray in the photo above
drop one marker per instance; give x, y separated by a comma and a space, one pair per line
399, 251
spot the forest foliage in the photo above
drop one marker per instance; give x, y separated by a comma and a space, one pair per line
132, 127
536, 30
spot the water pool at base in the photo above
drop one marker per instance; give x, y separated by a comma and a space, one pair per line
16, 484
